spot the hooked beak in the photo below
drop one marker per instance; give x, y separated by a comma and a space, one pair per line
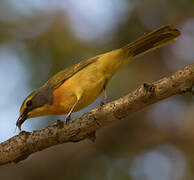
21, 120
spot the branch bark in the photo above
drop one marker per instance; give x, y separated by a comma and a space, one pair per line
21, 146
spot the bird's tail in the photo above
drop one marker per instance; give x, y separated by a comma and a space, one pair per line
151, 41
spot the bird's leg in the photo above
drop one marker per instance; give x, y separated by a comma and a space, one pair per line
68, 116
105, 97
78, 97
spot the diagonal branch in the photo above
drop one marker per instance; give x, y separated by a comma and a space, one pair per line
21, 146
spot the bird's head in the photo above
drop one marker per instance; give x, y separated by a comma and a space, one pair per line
35, 105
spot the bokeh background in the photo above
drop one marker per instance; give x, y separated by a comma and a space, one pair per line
40, 37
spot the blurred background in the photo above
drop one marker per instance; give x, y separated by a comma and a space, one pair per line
41, 37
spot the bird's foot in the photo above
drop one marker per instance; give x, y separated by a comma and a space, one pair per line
104, 102
67, 119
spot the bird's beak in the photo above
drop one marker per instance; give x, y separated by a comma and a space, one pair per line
21, 120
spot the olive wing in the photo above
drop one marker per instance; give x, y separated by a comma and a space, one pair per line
58, 79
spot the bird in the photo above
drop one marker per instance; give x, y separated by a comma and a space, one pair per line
76, 87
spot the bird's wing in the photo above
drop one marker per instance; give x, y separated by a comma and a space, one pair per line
58, 79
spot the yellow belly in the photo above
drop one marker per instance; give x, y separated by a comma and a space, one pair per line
88, 83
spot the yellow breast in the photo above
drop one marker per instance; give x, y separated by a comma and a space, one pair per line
88, 84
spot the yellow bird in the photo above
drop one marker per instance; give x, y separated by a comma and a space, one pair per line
79, 85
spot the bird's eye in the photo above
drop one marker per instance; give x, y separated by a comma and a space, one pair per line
29, 103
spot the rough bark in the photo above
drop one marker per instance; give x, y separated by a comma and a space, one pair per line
21, 146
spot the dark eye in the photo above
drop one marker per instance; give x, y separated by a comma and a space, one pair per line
29, 103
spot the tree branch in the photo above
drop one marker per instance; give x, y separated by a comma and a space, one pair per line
21, 146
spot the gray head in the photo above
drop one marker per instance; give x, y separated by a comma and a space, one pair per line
36, 104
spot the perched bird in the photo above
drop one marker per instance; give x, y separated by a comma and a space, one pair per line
79, 85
